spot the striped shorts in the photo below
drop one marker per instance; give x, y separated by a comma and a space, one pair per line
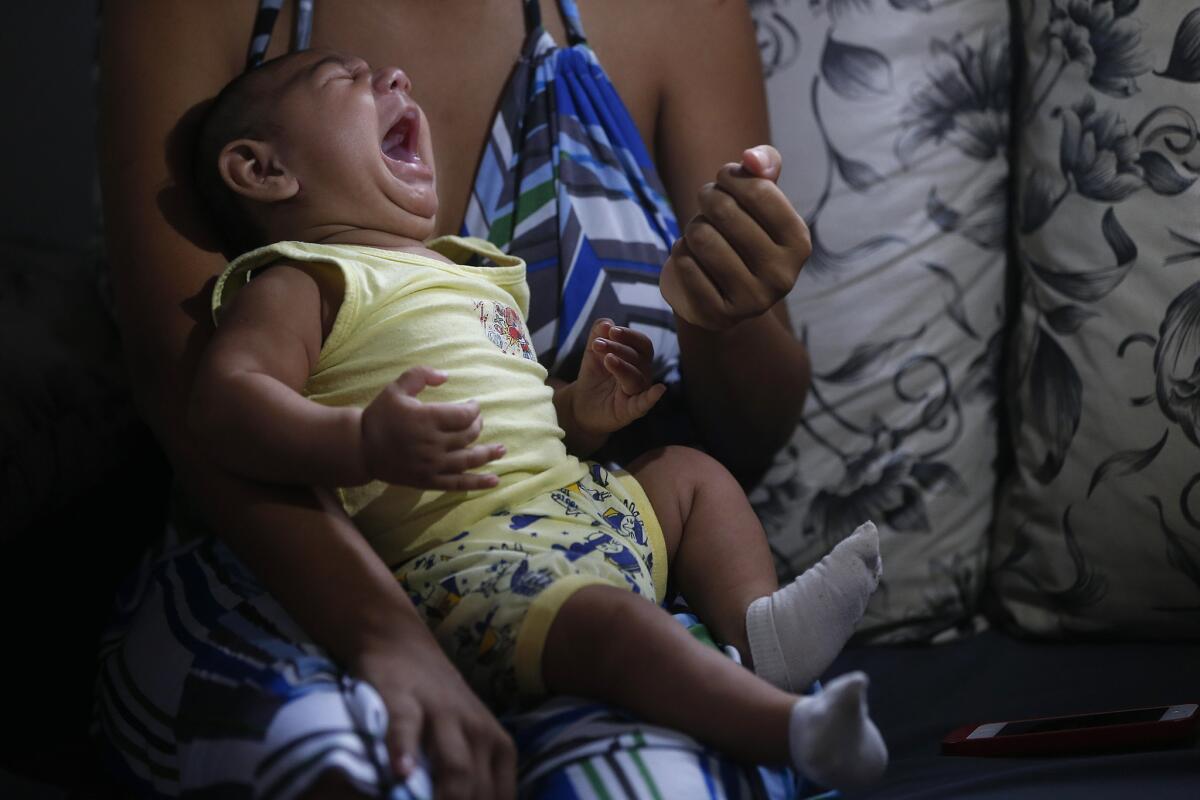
208, 689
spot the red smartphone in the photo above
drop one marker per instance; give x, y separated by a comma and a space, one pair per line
1131, 729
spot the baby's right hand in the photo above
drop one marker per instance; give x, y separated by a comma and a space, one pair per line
425, 445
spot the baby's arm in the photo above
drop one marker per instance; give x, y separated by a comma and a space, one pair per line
615, 387
247, 408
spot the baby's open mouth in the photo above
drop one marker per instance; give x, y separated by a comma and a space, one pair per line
400, 142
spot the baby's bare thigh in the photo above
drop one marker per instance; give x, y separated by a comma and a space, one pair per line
672, 478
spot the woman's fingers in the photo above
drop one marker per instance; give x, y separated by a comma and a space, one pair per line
739, 209
766, 203
404, 737
485, 778
727, 222
722, 264
743, 252
504, 767
690, 292
763, 161
453, 764
432, 710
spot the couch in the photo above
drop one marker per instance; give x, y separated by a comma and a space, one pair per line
1003, 308
1000, 310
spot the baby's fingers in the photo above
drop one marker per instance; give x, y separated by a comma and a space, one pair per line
600, 327
470, 458
464, 482
453, 475
642, 403
618, 349
629, 337
457, 440
413, 381
631, 379
453, 417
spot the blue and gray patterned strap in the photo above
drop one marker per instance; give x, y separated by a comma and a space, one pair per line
570, 15
533, 15
303, 25
264, 24
574, 25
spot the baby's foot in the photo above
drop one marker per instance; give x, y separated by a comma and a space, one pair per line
796, 632
832, 740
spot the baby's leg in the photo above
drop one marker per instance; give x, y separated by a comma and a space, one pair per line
611, 645
718, 553
721, 563
797, 632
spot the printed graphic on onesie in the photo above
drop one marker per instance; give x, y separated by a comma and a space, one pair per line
505, 328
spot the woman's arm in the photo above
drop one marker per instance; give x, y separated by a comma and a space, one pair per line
745, 384
247, 410
158, 61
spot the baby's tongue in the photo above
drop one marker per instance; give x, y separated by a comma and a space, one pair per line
395, 144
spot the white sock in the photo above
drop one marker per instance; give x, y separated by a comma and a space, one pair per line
796, 632
832, 740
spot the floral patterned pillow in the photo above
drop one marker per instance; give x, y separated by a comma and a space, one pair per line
892, 117
1099, 530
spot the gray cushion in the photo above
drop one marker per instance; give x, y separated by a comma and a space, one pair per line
1099, 530
892, 118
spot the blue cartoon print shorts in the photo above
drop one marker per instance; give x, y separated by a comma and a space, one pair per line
491, 593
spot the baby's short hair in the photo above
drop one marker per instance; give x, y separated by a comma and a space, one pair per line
237, 112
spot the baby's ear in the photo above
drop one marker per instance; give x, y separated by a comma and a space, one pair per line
252, 168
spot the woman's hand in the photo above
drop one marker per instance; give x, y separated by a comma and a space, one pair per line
432, 710
741, 254
615, 386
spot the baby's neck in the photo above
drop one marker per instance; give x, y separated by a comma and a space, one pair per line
367, 237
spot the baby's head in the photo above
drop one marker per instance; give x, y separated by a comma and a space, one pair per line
315, 146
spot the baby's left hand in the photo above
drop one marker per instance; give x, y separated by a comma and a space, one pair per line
615, 384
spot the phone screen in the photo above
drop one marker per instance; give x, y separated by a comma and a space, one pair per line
1082, 721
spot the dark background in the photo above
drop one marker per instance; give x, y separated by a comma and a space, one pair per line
48, 168
82, 486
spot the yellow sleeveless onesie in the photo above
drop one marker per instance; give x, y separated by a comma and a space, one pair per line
487, 569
